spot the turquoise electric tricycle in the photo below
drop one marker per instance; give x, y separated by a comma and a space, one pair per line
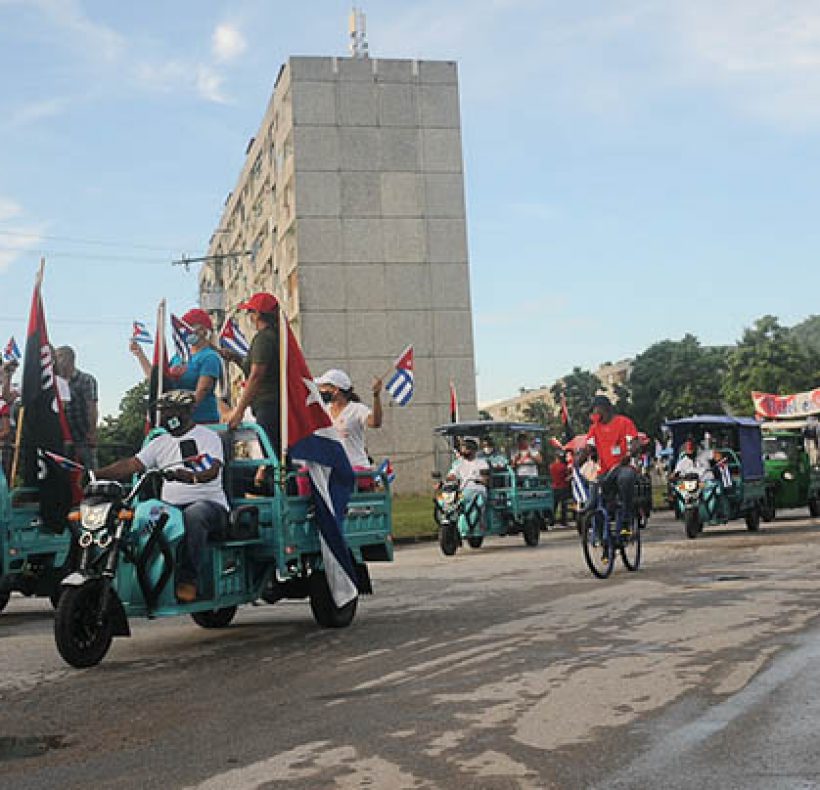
34, 555
512, 504
270, 550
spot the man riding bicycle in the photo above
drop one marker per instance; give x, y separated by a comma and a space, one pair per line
614, 437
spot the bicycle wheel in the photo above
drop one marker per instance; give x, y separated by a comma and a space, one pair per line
599, 549
631, 548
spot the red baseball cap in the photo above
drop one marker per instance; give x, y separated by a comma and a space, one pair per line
198, 317
260, 302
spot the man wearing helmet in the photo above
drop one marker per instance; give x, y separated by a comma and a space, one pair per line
199, 494
472, 473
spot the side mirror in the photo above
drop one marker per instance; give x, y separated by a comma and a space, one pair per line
435, 475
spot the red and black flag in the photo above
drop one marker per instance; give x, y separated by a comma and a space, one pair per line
160, 371
565, 421
453, 403
45, 428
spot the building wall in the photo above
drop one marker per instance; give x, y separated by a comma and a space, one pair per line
357, 169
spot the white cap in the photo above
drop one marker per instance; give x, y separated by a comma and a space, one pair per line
338, 378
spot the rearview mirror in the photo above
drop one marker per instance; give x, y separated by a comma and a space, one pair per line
435, 475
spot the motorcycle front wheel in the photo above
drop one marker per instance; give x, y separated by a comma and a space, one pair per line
83, 634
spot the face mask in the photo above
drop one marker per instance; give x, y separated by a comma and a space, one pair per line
326, 396
171, 423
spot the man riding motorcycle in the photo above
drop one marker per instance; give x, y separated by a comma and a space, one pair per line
185, 447
472, 473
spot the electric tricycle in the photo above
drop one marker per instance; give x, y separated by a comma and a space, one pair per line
792, 462
510, 503
732, 482
34, 555
270, 550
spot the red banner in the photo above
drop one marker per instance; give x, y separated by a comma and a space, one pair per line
801, 404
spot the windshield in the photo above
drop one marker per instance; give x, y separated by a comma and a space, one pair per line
780, 448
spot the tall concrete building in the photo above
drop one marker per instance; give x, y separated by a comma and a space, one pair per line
350, 208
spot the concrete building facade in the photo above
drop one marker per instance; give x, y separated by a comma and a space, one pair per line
350, 208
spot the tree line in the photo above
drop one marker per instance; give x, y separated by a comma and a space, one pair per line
679, 378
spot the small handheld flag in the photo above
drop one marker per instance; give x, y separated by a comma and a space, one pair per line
63, 462
386, 469
400, 384
231, 337
11, 353
199, 463
141, 333
183, 336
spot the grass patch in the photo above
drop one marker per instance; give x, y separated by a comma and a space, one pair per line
413, 516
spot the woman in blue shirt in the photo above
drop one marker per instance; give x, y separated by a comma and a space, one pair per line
202, 371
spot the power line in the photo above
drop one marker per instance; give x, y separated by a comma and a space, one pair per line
85, 256
71, 240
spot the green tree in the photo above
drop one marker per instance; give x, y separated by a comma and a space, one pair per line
579, 388
768, 358
674, 379
537, 411
808, 332
123, 434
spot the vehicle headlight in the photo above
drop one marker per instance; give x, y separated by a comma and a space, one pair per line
691, 485
787, 475
95, 516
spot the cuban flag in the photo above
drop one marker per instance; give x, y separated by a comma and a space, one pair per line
310, 436
725, 473
11, 353
199, 463
580, 487
231, 337
183, 334
400, 385
386, 469
63, 462
141, 333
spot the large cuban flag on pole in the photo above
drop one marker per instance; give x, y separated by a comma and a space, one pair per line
309, 435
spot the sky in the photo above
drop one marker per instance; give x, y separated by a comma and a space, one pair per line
635, 169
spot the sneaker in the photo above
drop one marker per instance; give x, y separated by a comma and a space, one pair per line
186, 592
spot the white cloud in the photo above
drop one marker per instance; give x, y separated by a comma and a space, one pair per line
16, 238
209, 85
179, 75
93, 37
37, 111
227, 43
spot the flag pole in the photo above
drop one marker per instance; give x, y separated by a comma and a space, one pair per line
159, 339
283, 386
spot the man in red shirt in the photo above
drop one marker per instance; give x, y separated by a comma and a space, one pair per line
559, 472
615, 438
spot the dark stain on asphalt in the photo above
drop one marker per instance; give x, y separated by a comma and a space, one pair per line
15, 748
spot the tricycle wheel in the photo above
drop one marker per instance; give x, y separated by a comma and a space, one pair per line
767, 510
214, 618
324, 609
55, 595
4, 599
448, 539
814, 508
693, 525
475, 541
753, 519
532, 531
83, 634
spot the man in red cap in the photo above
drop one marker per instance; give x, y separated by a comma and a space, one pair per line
261, 368
201, 373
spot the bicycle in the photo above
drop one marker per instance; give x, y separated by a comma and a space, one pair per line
601, 527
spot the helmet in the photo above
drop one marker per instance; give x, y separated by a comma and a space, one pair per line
176, 399
601, 401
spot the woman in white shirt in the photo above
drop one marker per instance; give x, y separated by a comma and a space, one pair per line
351, 417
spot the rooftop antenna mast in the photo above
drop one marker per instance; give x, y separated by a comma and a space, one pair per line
358, 34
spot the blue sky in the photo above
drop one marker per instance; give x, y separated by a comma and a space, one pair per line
635, 170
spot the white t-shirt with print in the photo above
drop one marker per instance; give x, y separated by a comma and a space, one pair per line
164, 451
350, 423
469, 472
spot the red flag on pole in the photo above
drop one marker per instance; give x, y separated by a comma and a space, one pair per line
453, 403
44, 423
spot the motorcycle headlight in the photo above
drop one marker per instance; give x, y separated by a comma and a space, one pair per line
691, 485
94, 517
787, 475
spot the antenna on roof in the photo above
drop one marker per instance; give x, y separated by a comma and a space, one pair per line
358, 34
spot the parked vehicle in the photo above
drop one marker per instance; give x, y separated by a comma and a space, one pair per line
735, 484
513, 505
270, 551
792, 462
34, 555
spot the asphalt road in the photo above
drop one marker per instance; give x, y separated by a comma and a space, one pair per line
504, 667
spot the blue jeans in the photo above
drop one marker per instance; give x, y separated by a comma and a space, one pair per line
200, 518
